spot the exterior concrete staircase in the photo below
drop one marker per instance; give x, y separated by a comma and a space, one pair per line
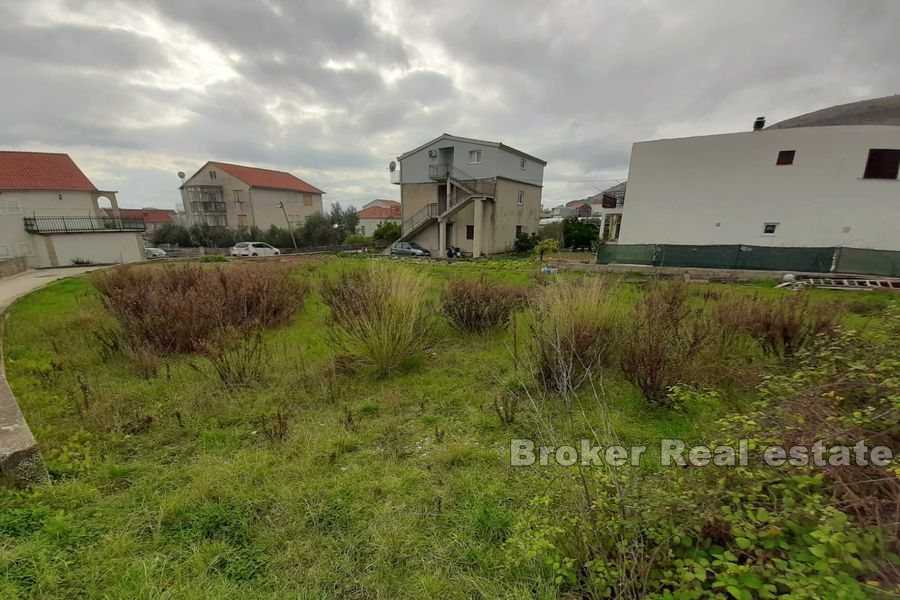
463, 189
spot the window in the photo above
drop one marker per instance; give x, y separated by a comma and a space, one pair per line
212, 175
13, 207
470, 232
307, 199
769, 228
474, 157
237, 196
882, 164
4, 250
362, 230
518, 230
785, 157
522, 163
242, 220
520, 201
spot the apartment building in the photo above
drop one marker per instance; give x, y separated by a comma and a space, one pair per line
469, 193
228, 195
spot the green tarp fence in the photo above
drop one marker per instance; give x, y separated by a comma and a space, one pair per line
872, 262
765, 258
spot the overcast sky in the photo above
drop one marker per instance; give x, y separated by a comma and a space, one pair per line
137, 91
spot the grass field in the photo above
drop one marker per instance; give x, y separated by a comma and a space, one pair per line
319, 481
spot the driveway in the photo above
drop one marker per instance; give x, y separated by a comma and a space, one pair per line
19, 285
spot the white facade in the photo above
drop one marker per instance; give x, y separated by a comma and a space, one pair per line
728, 189
60, 249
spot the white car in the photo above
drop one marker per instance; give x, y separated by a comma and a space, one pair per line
151, 253
254, 249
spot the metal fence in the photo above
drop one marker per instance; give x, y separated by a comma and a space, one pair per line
82, 225
765, 258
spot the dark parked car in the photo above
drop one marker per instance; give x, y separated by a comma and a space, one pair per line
408, 249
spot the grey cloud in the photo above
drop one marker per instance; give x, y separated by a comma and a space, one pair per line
574, 82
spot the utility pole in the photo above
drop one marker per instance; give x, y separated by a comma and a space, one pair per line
291, 229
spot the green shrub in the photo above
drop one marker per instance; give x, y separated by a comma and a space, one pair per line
356, 239
387, 232
381, 315
572, 330
213, 258
477, 306
525, 242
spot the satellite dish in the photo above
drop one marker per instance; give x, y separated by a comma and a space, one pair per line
392, 167
180, 174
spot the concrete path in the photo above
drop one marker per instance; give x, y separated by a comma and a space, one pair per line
21, 463
19, 285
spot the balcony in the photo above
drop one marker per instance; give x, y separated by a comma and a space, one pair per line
209, 206
439, 171
45, 225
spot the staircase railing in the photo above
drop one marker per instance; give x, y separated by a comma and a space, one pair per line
429, 211
465, 186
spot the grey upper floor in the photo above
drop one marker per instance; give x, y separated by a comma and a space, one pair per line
466, 158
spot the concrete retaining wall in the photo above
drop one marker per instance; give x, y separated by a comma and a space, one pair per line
21, 463
13, 266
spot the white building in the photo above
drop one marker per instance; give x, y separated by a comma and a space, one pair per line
50, 214
824, 179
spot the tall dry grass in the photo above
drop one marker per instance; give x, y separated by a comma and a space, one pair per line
187, 308
572, 325
382, 315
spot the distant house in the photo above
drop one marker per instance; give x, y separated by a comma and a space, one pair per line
583, 210
377, 212
227, 195
472, 194
154, 218
50, 214
609, 206
562, 212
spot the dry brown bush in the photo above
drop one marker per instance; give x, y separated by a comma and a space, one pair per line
476, 306
661, 339
186, 308
781, 326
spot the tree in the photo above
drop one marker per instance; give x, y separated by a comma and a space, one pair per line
547, 246
387, 232
577, 234
343, 221
317, 231
525, 242
175, 235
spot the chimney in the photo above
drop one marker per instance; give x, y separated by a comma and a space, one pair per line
759, 123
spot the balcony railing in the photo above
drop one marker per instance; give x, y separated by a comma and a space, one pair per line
82, 225
438, 171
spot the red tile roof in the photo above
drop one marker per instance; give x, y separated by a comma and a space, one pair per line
41, 171
267, 178
149, 215
377, 212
